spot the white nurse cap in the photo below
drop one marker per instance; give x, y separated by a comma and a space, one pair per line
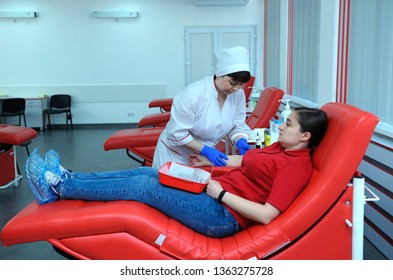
231, 60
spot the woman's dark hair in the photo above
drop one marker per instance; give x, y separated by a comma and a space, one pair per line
240, 77
314, 121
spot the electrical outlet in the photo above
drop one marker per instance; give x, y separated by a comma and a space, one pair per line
131, 114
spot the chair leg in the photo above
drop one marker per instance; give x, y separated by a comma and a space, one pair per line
26, 145
49, 125
43, 121
69, 117
66, 122
27, 151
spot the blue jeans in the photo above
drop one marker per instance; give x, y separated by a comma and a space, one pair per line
198, 211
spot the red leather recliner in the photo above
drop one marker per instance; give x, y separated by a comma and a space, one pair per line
165, 105
142, 141
11, 135
16, 135
313, 227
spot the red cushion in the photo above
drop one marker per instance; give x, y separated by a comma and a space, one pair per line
16, 135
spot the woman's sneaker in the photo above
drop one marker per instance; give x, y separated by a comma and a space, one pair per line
52, 159
40, 179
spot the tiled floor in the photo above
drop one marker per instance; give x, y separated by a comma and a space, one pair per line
81, 150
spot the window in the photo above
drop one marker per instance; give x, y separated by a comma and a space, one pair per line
370, 60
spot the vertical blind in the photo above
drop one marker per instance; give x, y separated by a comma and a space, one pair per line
305, 60
369, 53
272, 43
370, 58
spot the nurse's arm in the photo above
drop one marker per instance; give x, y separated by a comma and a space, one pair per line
194, 145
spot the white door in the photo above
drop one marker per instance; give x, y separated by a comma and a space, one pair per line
202, 42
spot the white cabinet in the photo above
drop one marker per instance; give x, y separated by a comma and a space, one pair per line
34, 111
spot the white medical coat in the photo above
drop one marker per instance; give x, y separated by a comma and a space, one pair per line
196, 114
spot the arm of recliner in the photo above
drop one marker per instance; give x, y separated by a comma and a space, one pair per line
164, 104
157, 119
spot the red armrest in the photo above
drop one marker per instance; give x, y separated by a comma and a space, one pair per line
157, 119
163, 103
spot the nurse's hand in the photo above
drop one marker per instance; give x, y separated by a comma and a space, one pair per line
242, 146
215, 156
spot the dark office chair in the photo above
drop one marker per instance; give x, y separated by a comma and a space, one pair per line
59, 104
14, 107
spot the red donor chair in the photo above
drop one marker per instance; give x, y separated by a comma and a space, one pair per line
10, 137
317, 225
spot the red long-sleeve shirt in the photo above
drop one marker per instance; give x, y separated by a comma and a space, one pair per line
270, 175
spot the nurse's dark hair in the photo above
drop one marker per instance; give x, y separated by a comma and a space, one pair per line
240, 77
312, 120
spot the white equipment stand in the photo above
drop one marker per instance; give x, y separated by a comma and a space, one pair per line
359, 200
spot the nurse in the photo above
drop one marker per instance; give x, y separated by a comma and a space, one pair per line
207, 111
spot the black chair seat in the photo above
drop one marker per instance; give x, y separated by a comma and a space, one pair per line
56, 111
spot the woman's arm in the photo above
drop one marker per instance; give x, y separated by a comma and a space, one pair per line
261, 213
198, 160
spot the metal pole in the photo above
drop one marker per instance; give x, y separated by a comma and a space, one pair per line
359, 200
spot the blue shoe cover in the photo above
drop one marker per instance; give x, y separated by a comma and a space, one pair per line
52, 159
35, 174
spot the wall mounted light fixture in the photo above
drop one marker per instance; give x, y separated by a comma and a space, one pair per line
104, 14
10, 14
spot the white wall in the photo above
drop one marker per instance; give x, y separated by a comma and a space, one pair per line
66, 49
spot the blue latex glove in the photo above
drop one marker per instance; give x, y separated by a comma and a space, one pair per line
242, 146
215, 156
